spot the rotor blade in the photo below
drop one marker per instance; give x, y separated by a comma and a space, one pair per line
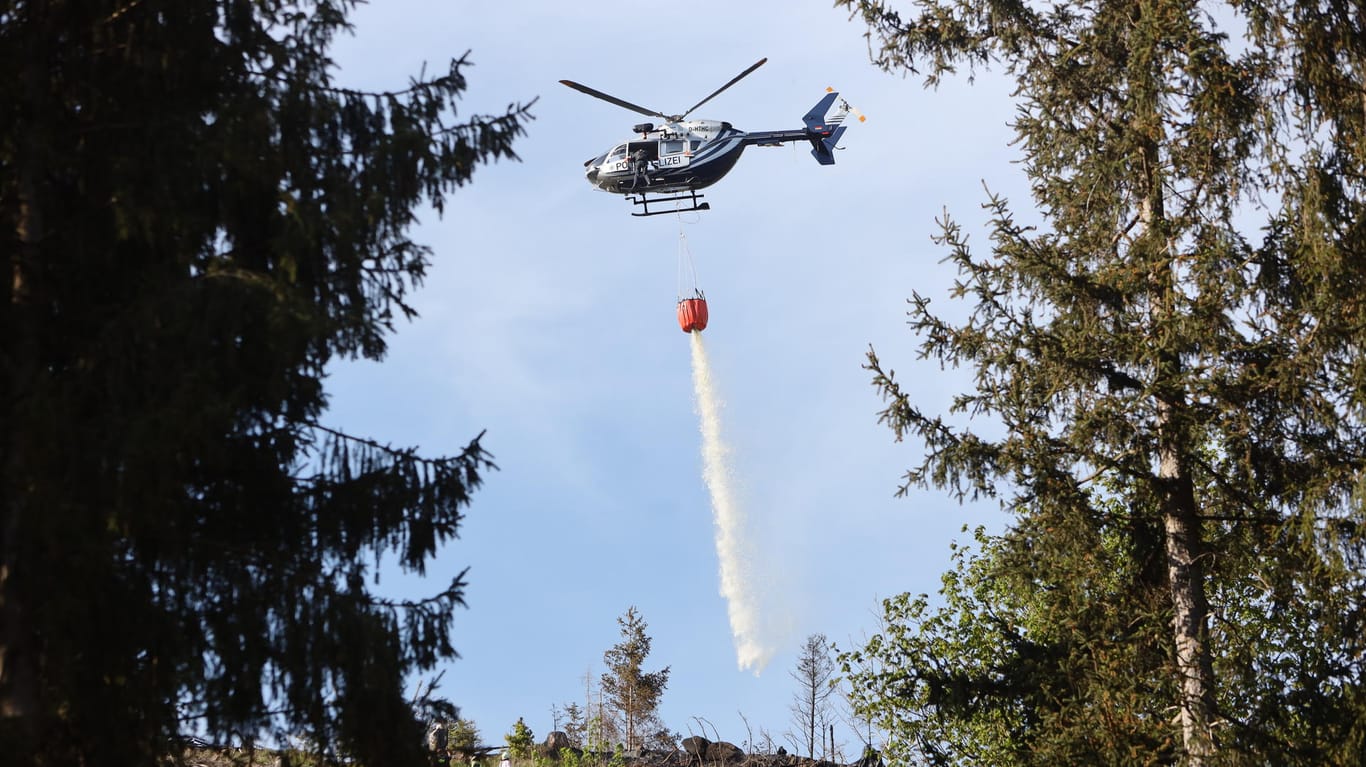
733, 81
614, 100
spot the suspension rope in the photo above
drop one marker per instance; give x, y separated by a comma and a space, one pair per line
687, 270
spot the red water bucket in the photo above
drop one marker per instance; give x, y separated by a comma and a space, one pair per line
692, 314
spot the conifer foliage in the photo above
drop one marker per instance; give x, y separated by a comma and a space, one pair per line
632, 692
197, 219
1171, 348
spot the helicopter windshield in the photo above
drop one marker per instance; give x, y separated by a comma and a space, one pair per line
619, 153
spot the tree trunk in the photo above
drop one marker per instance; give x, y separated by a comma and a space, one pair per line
1180, 517
18, 671
1190, 609
810, 726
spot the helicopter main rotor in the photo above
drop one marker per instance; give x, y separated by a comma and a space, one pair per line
653, 113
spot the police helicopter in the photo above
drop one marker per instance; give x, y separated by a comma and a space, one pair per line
673, 160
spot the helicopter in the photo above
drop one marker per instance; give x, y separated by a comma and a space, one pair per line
672, 161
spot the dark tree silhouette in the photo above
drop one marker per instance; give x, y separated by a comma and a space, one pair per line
196, 220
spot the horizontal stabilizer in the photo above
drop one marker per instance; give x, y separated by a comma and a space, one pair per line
824, 149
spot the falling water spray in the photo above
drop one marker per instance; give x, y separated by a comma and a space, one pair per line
733, 550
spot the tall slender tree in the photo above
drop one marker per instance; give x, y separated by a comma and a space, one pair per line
1175, 354
575, 724
196, 219
632, 692
814, 675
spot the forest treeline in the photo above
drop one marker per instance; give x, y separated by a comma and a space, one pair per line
1164, 390
619, 719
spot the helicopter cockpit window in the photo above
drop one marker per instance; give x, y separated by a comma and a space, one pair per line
670, 147
618, 153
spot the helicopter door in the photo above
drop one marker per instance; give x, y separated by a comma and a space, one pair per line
673, 153
644, 151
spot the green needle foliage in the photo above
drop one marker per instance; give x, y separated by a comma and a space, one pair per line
196, 220
1171, 356
631, 692
520, 740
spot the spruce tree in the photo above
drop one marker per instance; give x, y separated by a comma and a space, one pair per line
1173, 357
575, 724
197, 219
633, 693
520, 740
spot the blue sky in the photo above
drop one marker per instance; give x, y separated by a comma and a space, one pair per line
548, 320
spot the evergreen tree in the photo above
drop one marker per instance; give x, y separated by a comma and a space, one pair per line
632, 693
575, 724
196, 220
520, 740
1180, 386
463, 736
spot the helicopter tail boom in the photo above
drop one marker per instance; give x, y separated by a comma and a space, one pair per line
822, 129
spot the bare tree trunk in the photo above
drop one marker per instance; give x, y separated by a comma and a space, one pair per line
630, 715
1180, 513
811, 726
1190, 608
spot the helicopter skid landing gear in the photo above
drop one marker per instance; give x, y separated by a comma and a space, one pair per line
692, 198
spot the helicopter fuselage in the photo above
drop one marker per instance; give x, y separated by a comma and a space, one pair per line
678, 157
